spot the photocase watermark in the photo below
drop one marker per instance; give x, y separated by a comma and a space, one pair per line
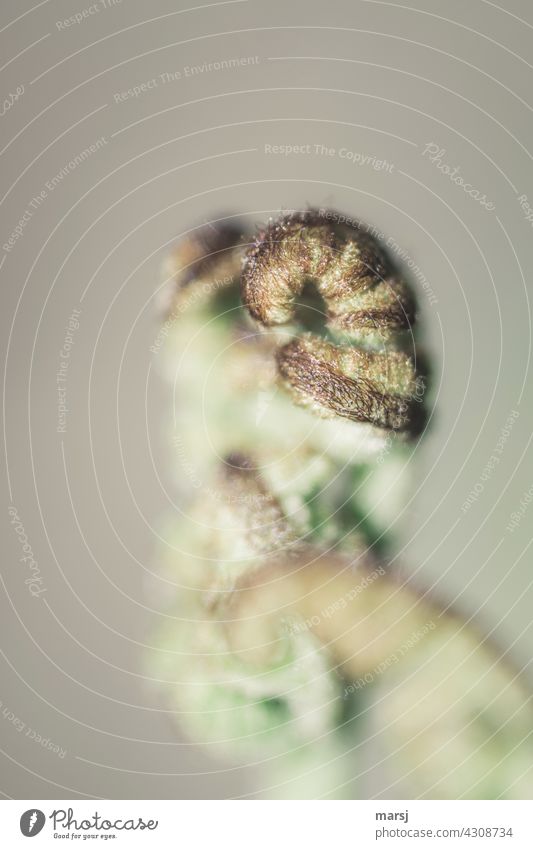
253, 498
295, 626
517, 515
34, 581
65, 819
31, 733
32, 822
403, 256
66, 825
185, 463
62, 373
88, 12
198, 295
186, 72
222, 65
390, 244
54, 181
49, 186
391, 660
435, 153
491, 463
526, 208
355, 157
11, 99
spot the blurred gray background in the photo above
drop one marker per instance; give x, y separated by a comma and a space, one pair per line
402, 95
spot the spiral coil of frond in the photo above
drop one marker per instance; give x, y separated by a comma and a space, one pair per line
286, 632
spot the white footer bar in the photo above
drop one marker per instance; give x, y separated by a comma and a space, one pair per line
268, 824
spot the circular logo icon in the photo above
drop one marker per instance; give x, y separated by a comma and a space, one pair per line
32, 822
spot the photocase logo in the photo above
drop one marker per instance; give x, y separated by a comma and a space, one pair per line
32, 822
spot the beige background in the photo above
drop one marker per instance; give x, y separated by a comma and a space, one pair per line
380, 79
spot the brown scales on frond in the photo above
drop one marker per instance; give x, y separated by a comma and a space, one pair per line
317, 384
340, 259
359, 380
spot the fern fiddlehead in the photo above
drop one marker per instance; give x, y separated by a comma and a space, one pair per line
287, 636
